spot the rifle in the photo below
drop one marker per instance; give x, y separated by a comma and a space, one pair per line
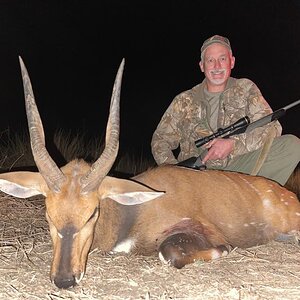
243, 125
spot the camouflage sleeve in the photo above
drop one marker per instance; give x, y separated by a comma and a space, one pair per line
166, 137
257, 108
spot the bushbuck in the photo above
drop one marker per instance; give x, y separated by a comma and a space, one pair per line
180, 214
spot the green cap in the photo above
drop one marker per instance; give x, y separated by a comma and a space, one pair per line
215, 39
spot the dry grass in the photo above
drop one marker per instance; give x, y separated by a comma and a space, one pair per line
15, 152
266, 272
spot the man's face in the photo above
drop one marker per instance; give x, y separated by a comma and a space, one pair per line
216, 65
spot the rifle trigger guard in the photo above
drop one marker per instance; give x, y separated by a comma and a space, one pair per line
193, 163
198, 165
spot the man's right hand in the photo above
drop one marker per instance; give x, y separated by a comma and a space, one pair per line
218, 149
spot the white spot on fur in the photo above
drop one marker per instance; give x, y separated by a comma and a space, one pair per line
251, 185
298, 214
224, 253
124, 246
267, 203
269, 191
229, 226
215, 254
60, 235
246, 225
286, 203
252, 223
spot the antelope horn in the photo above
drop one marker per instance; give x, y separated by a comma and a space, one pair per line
103, 164
46, 166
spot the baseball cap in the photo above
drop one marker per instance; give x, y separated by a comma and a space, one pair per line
215, 39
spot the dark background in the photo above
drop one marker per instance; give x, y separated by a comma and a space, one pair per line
72, 50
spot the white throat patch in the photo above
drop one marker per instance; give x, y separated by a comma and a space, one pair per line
124, 246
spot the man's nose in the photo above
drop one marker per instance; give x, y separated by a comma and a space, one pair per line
217, 64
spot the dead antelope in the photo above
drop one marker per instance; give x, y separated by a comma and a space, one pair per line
192, 215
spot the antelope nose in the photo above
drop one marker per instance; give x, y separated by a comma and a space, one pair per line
64, 283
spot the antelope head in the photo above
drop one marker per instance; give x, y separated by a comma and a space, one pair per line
73, 192
72, 199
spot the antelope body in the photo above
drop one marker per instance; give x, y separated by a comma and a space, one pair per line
180, 214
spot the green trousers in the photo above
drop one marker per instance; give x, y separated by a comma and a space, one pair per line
282, 159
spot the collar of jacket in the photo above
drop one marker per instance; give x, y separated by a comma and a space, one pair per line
199, 90
200, 96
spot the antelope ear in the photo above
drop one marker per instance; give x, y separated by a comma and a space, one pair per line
127, 192
134, 198
23, 184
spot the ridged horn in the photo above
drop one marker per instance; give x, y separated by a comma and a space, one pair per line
46, 166
103, 164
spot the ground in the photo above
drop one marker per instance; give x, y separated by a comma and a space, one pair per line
270, 271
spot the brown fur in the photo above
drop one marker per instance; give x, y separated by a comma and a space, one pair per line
293, 183
218, 199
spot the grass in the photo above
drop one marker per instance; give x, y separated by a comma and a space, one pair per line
15, 152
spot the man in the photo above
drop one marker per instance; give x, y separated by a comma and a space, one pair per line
217, 102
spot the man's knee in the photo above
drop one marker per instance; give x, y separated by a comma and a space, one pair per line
291, 146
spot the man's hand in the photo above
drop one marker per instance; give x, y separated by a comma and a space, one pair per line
218, 149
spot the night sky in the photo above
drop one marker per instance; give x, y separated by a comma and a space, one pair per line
72, 50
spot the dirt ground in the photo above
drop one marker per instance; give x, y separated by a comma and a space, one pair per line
265, 272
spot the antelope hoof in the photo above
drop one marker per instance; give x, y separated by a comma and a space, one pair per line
176, 249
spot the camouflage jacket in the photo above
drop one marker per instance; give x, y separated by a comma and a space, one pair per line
187, 120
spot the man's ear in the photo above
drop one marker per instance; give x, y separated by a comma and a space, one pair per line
201, 66
232, 62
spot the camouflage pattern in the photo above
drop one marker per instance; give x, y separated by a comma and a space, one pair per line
215, 39
187, 120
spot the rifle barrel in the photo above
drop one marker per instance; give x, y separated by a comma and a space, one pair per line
237, 128
291, 105
243, 125
270, 117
